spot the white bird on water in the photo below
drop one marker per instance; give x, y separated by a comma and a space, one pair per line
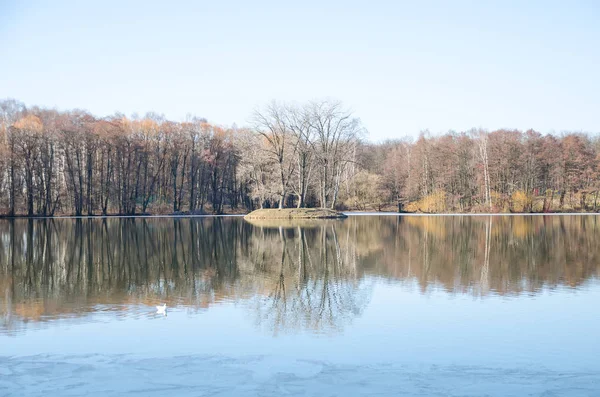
162, 309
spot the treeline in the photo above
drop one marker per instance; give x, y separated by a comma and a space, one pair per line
308, 155
480, 171
73, 163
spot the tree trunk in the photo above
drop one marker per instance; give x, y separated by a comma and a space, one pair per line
13, 189
90, 208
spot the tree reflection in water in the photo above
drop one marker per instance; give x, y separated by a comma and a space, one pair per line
316, 285
296, 276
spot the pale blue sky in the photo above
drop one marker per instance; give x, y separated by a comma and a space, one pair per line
401, 66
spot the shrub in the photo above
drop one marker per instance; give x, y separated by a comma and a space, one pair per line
433, 203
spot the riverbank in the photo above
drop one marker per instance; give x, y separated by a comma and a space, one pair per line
344, 213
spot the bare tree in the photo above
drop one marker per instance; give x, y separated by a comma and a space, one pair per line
272, 124
481, 138
256, 168
10, 111
336, 132
298, 121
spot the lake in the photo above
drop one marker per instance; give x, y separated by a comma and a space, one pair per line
368, 305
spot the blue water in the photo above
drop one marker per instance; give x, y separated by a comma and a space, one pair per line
396, 338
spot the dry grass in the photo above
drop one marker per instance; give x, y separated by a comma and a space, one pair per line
295, 213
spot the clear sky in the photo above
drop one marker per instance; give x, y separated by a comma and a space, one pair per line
400, 66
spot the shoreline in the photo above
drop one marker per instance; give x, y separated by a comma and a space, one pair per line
273, 214
119, 216
469, 214
347, 213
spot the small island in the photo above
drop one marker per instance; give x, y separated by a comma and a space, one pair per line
295, 213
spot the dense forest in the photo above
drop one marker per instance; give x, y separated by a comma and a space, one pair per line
307, 155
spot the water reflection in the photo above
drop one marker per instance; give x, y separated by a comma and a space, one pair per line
296, 276
309, 275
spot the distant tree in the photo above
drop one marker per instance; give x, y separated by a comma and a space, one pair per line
28, 132
482, 139
396, 171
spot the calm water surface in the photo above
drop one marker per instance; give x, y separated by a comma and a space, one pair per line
369, 305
